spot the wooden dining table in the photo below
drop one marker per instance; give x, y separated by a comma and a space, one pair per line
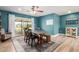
43, 37
40, 36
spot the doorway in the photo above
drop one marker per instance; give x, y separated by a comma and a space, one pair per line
21, 24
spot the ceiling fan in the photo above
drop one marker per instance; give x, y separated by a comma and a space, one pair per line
35, 10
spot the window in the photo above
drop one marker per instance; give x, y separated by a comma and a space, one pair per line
49, 22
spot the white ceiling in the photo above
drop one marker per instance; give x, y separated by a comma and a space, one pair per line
60, 10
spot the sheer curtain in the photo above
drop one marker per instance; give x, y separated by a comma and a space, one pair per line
33, 25
12, 24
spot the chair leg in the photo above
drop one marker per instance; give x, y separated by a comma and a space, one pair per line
32, 42
25, 39
29, 42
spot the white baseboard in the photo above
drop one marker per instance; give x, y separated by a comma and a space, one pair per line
61, 34
54, 40
57, 35
54, 35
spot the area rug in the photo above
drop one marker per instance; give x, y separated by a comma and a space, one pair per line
44, 46
21, 46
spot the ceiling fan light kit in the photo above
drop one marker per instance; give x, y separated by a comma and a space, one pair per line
36, 9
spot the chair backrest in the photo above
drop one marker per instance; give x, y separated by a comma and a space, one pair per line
28, 32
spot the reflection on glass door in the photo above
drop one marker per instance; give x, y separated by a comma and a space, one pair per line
25, 24
21, 24
18, 27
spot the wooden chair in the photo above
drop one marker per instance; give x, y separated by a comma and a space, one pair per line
34, 39
27, 36
43, 39
30, 37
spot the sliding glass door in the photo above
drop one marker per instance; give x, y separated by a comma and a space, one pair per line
21, 24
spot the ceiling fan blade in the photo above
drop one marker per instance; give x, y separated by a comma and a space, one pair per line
33, 8
27, 10
39, 10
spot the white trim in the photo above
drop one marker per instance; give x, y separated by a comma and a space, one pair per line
54, 35
57, 35
12, 24
33, 25
61, 34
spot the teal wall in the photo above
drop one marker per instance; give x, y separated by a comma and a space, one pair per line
37, 22
4, 17
50, 29
59, 22
56, 24
63, 19
5, 20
